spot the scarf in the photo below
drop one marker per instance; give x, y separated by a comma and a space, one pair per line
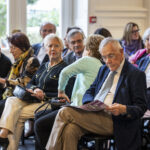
14, 73
131, 48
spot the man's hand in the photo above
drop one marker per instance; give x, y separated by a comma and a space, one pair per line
117, 109
62, 94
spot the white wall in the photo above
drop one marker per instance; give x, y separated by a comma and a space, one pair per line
115, 14
80, 14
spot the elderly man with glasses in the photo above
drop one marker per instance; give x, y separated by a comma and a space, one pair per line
39, 50
75, 39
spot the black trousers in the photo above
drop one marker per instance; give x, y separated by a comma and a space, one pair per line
148, 98
42, 128
2, 105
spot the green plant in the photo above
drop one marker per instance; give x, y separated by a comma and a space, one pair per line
3, 18
31, 1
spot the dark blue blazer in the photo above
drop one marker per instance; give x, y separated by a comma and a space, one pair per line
5, 66
37, 48
144, 63
130, 91
70, 58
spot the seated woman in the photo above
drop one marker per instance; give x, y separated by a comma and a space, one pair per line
43, 85
86, 69
24, 67
135, 59
131, 40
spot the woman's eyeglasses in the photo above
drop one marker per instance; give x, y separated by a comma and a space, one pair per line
135, 31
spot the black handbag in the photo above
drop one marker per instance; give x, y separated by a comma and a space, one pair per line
55, 105
25, 95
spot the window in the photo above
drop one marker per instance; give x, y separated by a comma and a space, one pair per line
39, 11
3, 23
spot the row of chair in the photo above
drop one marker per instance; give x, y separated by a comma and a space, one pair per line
99, 142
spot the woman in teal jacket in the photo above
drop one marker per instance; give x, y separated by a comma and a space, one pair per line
86, 70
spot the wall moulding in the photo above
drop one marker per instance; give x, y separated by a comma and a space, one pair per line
120, 9
120, 15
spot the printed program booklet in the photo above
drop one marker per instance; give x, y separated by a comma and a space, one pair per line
95, 105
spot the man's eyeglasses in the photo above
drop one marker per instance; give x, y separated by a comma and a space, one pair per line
110, 56
45, 30
135, 31
74, 42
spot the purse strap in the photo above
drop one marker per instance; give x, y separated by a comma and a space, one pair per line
48, 102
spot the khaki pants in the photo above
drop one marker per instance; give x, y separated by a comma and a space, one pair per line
70, 124
15, 113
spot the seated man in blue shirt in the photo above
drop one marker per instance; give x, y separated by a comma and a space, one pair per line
126, 100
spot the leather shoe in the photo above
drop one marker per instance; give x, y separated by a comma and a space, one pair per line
4, 143
28, 134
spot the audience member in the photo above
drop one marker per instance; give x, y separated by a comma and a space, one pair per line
91, 56
75, 40
135, 59
23, 68
126, 100
131, 40
144, 65
39, 50
66, 50
43, 85
103, 31
5, 68
25, 64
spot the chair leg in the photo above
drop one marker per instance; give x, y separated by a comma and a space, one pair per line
22, 138
98, 145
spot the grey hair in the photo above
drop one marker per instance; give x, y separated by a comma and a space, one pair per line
50, 37
146, 35
115, 43
73, 32
45, 23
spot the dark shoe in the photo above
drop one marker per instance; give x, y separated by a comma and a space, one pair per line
28, 134
4, 143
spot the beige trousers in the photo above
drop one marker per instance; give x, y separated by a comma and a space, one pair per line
70, 124
15, 113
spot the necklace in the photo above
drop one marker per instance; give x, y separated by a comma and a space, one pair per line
48, 68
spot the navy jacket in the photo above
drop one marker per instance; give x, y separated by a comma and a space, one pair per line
130, 91
70, 58
5, 66
144, 63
